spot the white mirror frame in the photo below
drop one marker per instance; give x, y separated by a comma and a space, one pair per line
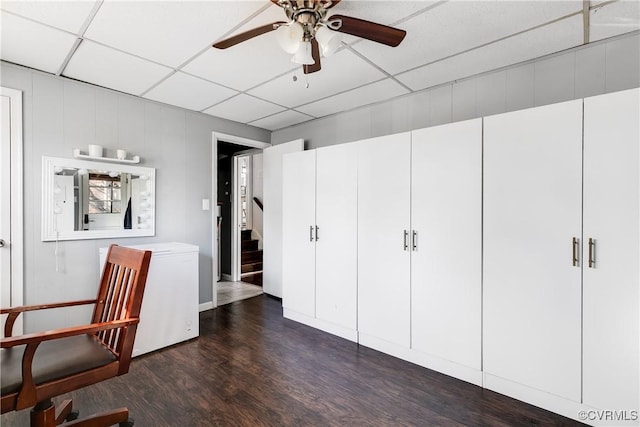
49, 232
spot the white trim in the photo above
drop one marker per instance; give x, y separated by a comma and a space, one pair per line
205, 306
17, 218
215, 137
323, 325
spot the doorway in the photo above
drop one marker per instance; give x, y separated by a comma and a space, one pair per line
237, 235
11, 222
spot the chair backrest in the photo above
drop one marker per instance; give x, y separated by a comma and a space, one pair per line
120, 297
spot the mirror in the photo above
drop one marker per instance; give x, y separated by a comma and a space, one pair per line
84, 199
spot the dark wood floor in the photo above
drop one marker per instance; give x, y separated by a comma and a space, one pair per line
252, 367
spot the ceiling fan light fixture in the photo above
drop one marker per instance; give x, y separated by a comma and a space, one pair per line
303, 55
289, 37
328, 40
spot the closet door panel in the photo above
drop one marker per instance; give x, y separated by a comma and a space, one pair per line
384, 182
446, 272
298, 232
611, 212
532, 211
337, 244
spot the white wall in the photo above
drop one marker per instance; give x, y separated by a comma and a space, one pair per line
62, 114
602, 67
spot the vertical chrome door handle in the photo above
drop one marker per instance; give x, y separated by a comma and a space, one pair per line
311, 233
592, 253
575, 249
317, 229
414, 240
406, 238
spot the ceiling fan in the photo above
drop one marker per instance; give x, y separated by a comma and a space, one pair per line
310, 31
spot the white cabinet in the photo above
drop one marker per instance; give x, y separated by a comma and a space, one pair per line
169, 312
611, 213
384, 253
319, 238
298, 232
532, 310
446, 261
336, 235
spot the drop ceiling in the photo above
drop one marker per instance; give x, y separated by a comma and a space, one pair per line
161, 50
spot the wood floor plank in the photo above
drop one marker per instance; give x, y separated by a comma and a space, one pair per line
252, 367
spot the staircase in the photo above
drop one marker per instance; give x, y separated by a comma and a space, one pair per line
251, 260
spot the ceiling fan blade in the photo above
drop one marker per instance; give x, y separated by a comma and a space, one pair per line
239, 38
369, 30
315, 53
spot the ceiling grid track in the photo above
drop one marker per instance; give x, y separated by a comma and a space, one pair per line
83, 29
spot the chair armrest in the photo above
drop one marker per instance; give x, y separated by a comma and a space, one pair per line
39, 337
14, 312
24, 308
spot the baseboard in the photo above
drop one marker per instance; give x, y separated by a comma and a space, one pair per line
323, 325
205, 306
560, 405
447, 367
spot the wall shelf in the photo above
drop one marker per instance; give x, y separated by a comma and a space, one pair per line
79, 155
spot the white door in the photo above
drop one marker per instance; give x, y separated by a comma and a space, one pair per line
299, 232
384, 189
337, 238
11, 269
611, 212
5, 208
532, 213
446, 217
272, 214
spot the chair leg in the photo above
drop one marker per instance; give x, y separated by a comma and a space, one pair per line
43, 414
102, 419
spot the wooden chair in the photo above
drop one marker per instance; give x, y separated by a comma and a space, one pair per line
39, 366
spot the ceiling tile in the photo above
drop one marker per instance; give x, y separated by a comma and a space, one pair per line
189, 92
35, 45
281, 120
455, 26
542, 41
613, 19
340, 72
110, 68
244, 108
245, 65
369, 94
167, 32
65, 15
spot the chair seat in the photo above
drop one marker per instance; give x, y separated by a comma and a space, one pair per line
53, 360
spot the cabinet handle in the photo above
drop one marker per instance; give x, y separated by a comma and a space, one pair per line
406, 237
592, 253
317, 229
311, 233
575, 251
414, 240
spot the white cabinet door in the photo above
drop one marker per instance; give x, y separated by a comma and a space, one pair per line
611, 212
298, 232
384, 182
337, 238
532, 211
272, 214
446, 212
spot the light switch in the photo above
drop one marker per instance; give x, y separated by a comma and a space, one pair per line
206, 205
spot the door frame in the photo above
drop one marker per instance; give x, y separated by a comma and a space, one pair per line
16, 188
215, 138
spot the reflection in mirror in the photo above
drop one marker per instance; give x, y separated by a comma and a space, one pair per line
85, 199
